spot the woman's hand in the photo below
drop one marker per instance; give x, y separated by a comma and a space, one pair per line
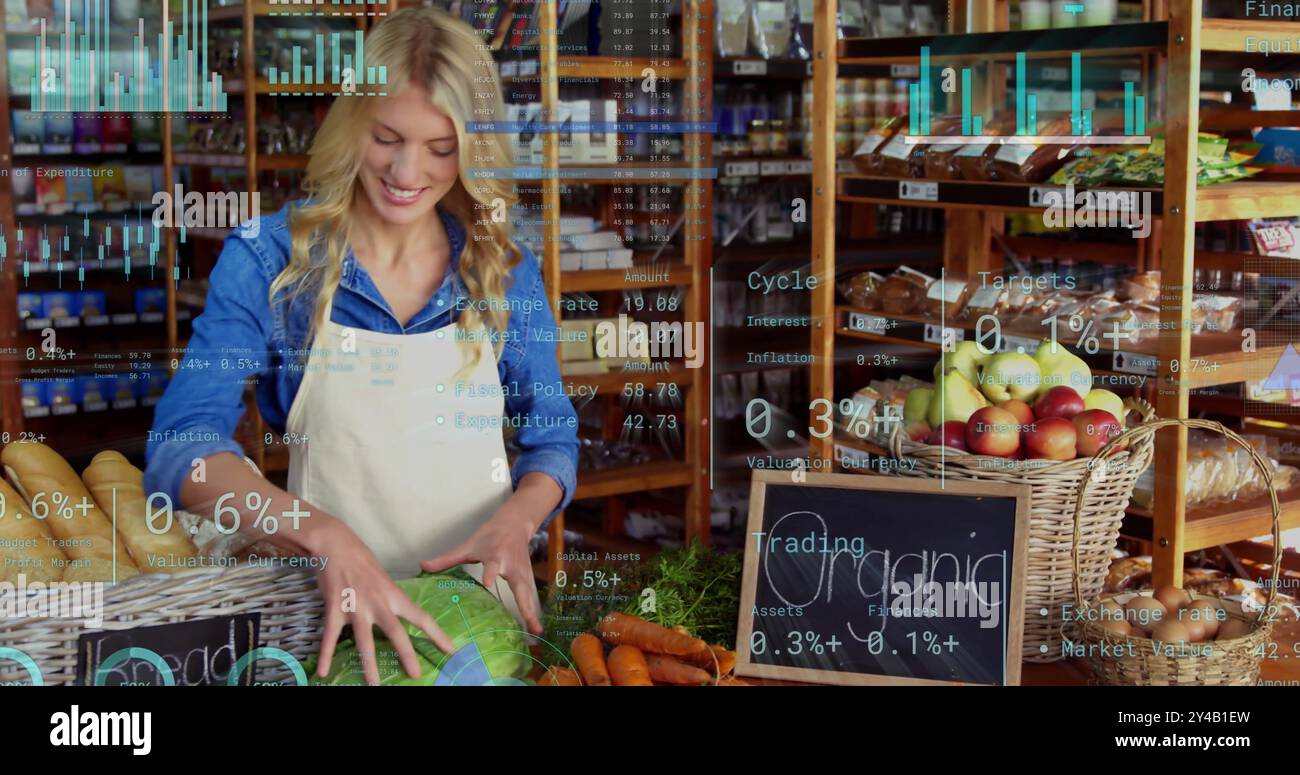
353, 576
501, 544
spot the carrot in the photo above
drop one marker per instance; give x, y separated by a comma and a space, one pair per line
559, 676
726, 659
665, 669
624, 630
627, 666
589, 654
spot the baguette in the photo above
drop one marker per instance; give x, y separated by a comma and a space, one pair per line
111, 474
87, 538
26, 543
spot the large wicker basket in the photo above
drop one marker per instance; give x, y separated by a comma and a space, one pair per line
288, 601
1125, 660
1050, 577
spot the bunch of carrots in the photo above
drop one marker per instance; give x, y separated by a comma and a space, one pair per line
644, 654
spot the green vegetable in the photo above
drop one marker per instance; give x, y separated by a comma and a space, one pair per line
695, 588
475, 617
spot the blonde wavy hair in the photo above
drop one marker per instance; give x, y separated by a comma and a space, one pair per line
432, 49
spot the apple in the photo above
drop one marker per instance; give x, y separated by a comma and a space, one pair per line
950, 434
917, 431
993, 431
1024, 415
1053, 438
1061, 401
1095, 427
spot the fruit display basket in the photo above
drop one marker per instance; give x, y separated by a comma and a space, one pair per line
1133, 660
1054, 533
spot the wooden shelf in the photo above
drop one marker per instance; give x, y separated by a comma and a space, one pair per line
609, 68
1224, 362
1226, 523
1110, 40
658, 475
1238, 200
262, 8
1230, 35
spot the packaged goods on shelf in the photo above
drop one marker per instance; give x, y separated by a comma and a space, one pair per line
985, 299
904, 291
863, 290
1031, 163
1216, 162
1275, 238
1220, 471
948, 296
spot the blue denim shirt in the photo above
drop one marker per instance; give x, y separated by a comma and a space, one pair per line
257, 340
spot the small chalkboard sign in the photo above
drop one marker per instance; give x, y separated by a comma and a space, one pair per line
195, 653
854, 579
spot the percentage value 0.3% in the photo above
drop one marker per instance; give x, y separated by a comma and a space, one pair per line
228, 518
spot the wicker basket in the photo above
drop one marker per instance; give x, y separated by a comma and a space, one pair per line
1124, 660
1054, 533
288, 601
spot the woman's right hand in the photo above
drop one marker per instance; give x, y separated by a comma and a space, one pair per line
354, 579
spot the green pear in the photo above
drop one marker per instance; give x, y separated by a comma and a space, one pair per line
917, 405
1062, 368
1010, 375
966, 357
1098, 398
955, 398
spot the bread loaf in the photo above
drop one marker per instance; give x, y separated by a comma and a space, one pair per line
111, 476
37, 471
26, 543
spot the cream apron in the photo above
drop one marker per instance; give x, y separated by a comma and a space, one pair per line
384, 453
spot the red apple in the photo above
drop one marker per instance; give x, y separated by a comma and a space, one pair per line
993, 431
1052, 438
1095, 427
1024, 415
950, 434
1060, 401
917, 431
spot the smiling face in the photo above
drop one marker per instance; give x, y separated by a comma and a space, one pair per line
410, 157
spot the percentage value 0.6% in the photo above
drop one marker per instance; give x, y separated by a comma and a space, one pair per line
228, 519
54, 504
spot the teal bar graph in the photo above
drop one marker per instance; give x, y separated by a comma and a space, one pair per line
977, 125
1140, 122
1076, 95
1128, 108
925, 90
1031, 115
965, 101
1021, 103
914, 109
348, 70
81, 77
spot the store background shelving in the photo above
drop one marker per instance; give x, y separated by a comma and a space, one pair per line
1174, 48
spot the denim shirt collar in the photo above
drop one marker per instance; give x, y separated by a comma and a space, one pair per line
354, 278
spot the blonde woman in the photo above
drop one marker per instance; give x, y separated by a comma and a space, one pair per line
390, 323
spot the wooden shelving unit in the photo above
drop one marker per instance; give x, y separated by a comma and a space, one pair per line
251, 161
689, 270
77, 433
1179, 43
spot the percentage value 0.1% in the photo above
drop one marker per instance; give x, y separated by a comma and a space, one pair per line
228, 518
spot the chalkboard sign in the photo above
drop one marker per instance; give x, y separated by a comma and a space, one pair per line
855, 579
195, 653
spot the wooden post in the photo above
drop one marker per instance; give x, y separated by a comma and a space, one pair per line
821, 383
11, 404
549, 96
1176, 266
697, 50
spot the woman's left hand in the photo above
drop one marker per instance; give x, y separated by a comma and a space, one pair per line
501, 544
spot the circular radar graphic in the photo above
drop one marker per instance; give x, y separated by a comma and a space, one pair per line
468, 665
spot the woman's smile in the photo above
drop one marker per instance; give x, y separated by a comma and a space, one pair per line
402, 196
